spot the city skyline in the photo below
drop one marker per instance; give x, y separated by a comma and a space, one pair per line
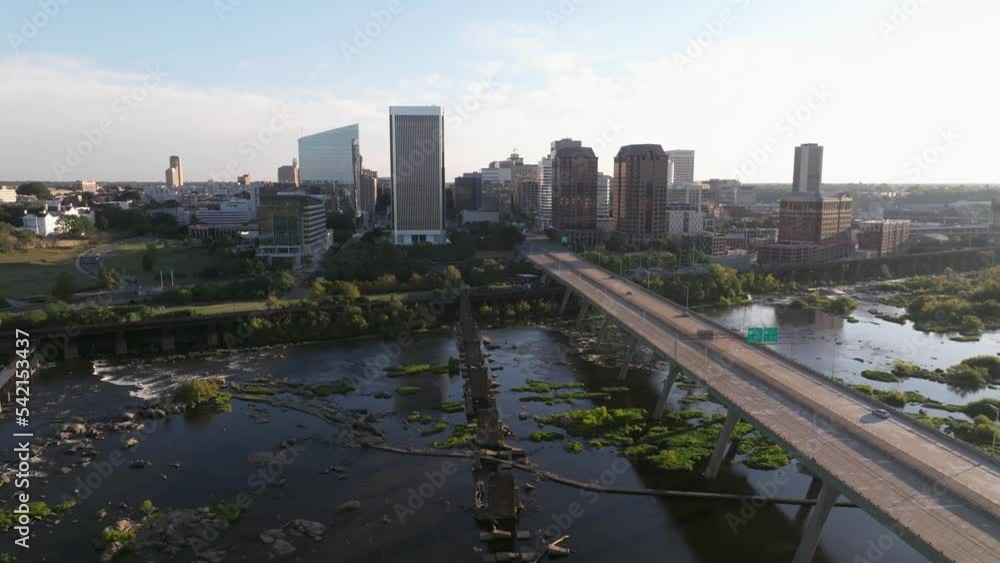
717, 83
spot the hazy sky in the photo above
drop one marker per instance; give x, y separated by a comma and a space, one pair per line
231, 84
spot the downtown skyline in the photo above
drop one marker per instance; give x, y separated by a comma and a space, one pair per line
721, 80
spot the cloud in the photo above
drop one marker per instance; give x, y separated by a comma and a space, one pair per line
889, 100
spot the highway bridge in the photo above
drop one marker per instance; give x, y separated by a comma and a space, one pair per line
936, 493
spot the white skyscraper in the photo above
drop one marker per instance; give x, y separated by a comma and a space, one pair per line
604, 222
545, 193
808, 169
682, 164
416, 141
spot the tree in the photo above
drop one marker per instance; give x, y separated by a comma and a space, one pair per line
37, 189
283, 282
452, 276
65, 287
75, 226
273, 302
110, 278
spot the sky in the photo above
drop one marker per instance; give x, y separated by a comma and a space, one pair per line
898, 91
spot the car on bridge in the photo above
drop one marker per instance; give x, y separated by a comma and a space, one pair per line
881, 413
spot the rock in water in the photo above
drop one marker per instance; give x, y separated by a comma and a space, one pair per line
282, 547
349, 506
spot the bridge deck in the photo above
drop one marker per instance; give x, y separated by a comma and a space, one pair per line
946, 499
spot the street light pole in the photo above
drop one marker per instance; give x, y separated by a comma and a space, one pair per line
996, 422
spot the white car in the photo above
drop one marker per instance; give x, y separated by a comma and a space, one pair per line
881, 413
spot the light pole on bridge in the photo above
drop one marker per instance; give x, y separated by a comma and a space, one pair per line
995, 422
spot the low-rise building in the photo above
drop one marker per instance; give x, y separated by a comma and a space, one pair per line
884, 237
8, 194
88, 186
47, 223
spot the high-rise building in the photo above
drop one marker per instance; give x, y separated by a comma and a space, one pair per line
290, 174
682, 166
808, 169
468, 191
367, 195
640, 192
813, 218
604, 222
330, 157
812, 229
686, 193
545, 180
574, 194
243, 180
175, 162
416, 139
996, 214
173, 178
529, 197
293, 229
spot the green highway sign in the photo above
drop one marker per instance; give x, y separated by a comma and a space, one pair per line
763, 335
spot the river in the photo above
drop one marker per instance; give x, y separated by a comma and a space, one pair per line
203, 459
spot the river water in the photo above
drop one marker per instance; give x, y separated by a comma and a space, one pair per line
211, 452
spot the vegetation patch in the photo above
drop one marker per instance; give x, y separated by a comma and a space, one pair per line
546, 436
835, 306
574, 447
462, 436
407, 390
339, 387
453, 407
542, 387
198, 393
876, 375
382, 395
411, 369
416, 417
436, 429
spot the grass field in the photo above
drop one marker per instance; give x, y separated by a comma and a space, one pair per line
25, 275
239, 307
188, 263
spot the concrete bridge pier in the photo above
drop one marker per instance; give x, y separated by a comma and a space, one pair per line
668, 385
565, 301
725, 437
121, 344
813, 530
603, 330
72, 351
623, 374
167, 342
584, 309
815, 486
